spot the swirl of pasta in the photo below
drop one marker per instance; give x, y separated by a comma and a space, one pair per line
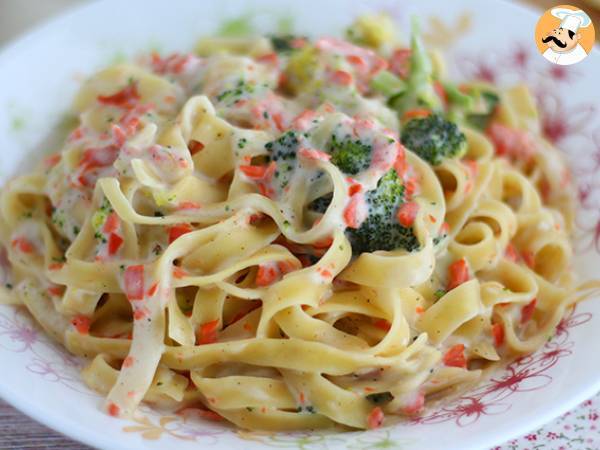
205, 239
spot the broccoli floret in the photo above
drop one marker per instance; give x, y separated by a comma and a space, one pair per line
284, 147
433, 138
380, 398
351, 156
476, 107
284, 43
480, 120
381, 230
283, 151
232, 96
389, 193
321, 204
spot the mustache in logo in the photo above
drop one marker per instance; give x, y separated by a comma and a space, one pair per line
558, 42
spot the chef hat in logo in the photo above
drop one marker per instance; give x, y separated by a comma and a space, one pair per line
571, 20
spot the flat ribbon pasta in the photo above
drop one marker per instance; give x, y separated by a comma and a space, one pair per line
198, 238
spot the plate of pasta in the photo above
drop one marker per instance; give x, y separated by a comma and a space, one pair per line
324, 225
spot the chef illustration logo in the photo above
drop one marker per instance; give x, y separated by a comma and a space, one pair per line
564, 35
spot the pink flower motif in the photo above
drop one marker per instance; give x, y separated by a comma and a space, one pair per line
561, 73
521, 58
470, 411
593, 416
518, 381
523, 375
560, 121
485, 73
481, 68
586, 191
556, 353
551, 435
58, 372
21, 333
596, 153
571, 320
590, 164
550, 356
531, 437
464, 411
49, 370
195, 431
591, 235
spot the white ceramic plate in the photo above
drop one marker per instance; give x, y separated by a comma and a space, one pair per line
493, 40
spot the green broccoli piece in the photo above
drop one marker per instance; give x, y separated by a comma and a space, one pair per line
389, 193
381, 230
456, 97
488, 101
283, 150
433, 138
321, 204
380, 398
232, 96
419, 90
478, 109
284, 147
351, 156
387, 84
284, 43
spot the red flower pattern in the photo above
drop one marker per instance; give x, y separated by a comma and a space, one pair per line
522, 375
551, 435
21, 333
590, 236
480, 69
562, 73
560, 121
